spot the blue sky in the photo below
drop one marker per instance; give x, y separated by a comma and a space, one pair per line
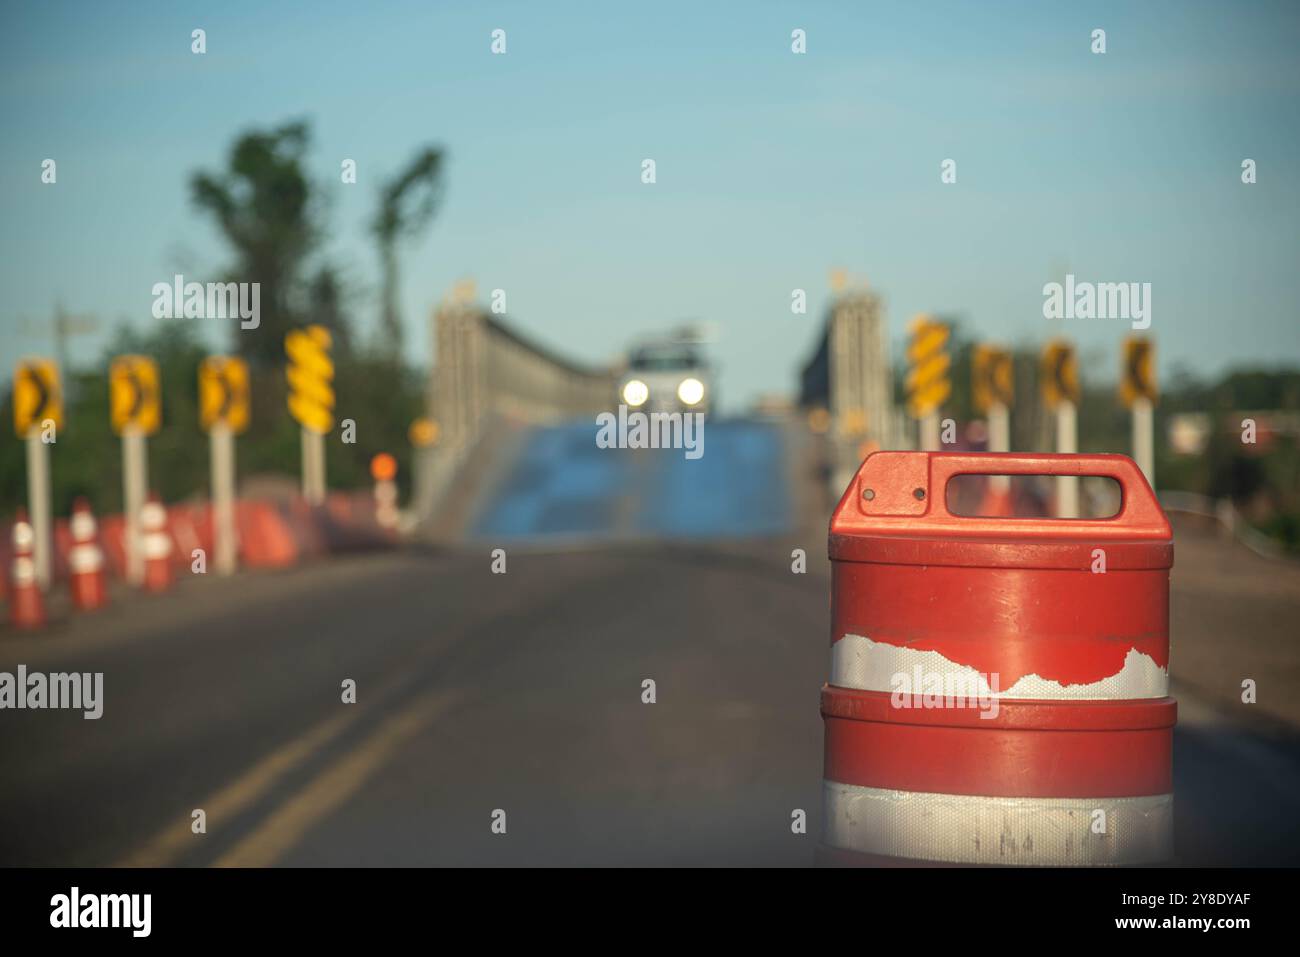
772, 168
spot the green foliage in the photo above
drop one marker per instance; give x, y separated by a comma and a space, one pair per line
1283, 528
1262, 479
264, 204
382, 396
1240, 390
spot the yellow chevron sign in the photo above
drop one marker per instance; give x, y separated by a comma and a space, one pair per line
311, 375
1060, 374
135, 396
993, 378
37, 396
928, 385
223, 393
1138, 377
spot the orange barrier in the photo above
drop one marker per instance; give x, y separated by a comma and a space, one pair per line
190, 527
112, 537
271, 535
266, 539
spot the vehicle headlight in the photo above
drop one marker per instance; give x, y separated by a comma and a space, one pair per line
635, 392
691, 391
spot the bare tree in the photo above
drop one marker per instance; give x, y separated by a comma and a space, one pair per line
407, 204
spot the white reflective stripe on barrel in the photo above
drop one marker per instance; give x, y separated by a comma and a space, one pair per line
24, 571
82, 526
153, 516
157, 545
963, 829
84, 559
858, 662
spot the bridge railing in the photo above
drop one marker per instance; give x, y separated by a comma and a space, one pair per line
850, 376
483, 371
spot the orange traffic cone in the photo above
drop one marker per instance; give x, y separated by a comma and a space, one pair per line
86, 560
383, 468
26, 605
157, 545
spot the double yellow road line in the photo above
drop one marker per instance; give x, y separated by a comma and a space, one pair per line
284, 827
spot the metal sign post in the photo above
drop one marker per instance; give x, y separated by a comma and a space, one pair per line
224, 412
928, 384
38, 503
38, 416
929, 432
313, 466
135, 411
993, 378
1137, 389
222, 447
1060, 384
1144, 438
135, 485
1067, 442
311, 401
999, 441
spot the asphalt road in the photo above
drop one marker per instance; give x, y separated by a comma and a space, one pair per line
522, 692
475, 692
1235, 616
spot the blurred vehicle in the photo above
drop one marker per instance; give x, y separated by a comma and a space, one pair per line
668, 375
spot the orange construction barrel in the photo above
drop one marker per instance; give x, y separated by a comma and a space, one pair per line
999, 685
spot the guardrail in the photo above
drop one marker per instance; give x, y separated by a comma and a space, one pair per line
1229, 519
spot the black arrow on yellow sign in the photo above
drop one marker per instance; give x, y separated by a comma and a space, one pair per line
1060, 371
137, 401
32, 374
227, 397
1138, 380
37, 398
223, 393
1060, 374
134, 394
